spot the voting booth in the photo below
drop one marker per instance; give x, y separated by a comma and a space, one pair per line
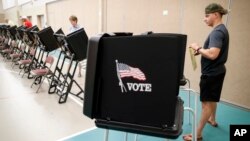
132, 83
73, 49
29, 32
20, 31
77, 44
12, 31
47, 39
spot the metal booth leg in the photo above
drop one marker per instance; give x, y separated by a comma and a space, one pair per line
189, 86
194, 113
136, 135
126, 136
106, 135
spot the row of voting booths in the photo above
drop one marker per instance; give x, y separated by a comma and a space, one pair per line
73, 49
132, 82
36, 45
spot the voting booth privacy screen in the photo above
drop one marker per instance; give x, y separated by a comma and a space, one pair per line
47, 39
77, 44
132, 83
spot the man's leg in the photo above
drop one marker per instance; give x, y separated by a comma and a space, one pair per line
205, 114
212, 118
207, 110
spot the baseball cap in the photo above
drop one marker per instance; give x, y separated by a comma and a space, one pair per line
214, 7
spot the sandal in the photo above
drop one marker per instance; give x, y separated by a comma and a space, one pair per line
212, 124
189, 137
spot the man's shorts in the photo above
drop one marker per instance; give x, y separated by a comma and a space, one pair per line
210, 87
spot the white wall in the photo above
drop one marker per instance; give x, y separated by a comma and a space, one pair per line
58, 14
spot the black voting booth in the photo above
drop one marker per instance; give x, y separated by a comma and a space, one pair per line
132, 83
73, 48
46, 44
29, 36
77, 44
47, 39
12, 31
20, 30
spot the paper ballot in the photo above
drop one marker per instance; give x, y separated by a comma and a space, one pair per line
193, 59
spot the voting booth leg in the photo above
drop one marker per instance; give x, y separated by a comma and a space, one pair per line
136, 135
189, 86
66, 87
64, 96
62, 83
194, 113
189, 97
70, 76
80, 92
126, 136
106, 135
58, 74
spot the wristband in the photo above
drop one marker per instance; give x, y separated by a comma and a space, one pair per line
198, 49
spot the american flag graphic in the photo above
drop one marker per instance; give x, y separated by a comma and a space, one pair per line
127, 71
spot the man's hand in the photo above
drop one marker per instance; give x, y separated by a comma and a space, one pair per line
195, 47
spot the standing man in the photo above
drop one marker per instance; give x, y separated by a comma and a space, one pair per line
26, 22
214, 55
73, 20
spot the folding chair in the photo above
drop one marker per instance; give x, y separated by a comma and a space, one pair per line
24, 64
4, 45
18, 52
42, 73
9, 50
3, 41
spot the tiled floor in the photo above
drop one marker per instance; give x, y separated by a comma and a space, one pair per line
29, 116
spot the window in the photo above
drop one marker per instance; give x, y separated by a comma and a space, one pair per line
20, 2
40, 21
8, 3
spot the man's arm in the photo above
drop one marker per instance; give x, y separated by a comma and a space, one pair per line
211, 53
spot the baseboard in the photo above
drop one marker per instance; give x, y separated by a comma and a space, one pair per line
244, 107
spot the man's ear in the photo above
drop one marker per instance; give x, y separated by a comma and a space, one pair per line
217, 14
